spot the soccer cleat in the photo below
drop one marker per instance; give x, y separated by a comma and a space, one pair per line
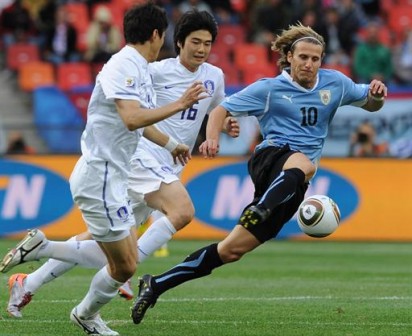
146, 298
26, 250
126, 290
162, 252
92, 326
253, 215
19, 298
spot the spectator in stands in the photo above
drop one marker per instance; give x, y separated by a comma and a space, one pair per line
17, 25
187, 5
402, 59
46, 17
268, 18
335, 53
17, 144
372, 59
61, 40
351, 18
103, 37
363, 142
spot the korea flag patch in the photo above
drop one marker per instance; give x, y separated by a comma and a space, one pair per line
129, 82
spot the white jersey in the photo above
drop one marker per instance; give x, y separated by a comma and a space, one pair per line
170, 80
106, 138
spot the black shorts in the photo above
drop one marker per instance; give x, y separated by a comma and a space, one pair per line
264, 166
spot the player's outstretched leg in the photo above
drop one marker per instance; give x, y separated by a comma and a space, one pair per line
19, 298
146, 298
26, 250
93, 325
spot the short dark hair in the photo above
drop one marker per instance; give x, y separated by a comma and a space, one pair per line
140, 21
191, 21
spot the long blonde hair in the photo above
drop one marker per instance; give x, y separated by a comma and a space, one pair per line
286, 41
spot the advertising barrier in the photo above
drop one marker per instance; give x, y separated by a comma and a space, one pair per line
374, 197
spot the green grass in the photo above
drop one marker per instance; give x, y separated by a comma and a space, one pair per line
283, 288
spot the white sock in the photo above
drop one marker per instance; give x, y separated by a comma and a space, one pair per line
49, 271
102, 289
158, 234
86, 253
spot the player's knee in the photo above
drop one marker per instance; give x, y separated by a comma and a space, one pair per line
231, 255
124, 270
182, 216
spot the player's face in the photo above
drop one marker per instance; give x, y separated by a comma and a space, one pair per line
157, 43
305, 62
196, 49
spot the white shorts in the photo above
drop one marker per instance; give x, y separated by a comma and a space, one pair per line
100, 192
146, 175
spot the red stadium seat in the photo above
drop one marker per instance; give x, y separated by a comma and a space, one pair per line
253, 74
345, 69
231, 35
72, 75
33, 75
21, 53
250, 55
81, 101
400, 19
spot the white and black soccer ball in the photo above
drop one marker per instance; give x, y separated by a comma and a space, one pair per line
318, 216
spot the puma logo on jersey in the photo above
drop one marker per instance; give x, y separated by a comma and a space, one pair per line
288, 98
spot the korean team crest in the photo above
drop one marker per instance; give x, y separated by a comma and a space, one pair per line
325, 96
129, 81
210, 86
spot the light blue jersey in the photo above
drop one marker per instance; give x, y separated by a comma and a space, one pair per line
290, 114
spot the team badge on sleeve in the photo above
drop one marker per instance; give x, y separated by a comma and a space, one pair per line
325, 96
129, 82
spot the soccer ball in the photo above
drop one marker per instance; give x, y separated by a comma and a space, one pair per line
318, 216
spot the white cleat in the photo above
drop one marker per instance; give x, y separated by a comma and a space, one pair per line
126, 290
26, 250
93, 326
19, 298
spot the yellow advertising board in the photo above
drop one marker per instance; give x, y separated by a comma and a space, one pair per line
374, 196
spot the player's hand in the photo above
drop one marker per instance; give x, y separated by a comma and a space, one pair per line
181, 154
209, 148
232, 127
193, 94
378, 89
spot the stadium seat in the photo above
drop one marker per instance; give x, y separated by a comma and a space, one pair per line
231, 35
250, 55
345, 69
78, 16
231, 73
73, 75
57, 120
80, 100
33, 75
385, 35
21, 53
253, 74
219, 54
400, 19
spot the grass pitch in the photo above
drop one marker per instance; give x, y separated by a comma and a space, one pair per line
315, 288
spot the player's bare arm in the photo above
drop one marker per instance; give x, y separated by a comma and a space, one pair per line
135, 116
210, 147
179, 152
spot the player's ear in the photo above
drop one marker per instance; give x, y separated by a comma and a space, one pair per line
154, 34
289, 56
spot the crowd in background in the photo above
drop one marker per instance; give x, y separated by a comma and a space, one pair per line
359, 40
356, 31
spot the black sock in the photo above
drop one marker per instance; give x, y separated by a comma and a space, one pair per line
196, 265
282, 188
